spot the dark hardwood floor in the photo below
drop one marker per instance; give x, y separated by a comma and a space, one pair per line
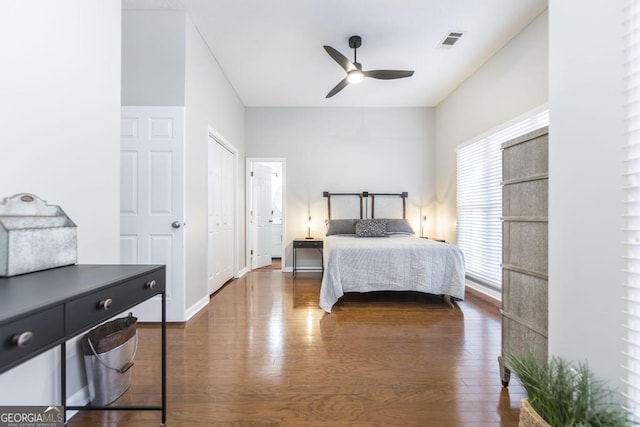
263, 353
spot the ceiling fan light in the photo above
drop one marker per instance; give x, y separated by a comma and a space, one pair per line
355, 76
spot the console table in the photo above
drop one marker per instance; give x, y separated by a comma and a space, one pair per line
42, 310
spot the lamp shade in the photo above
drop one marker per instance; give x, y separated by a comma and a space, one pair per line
309, 228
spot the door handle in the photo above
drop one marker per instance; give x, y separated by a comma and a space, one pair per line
175, 224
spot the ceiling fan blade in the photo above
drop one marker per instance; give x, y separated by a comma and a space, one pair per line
338, 87
340, 59
387, 74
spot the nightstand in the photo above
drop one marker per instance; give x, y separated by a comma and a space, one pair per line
302, 243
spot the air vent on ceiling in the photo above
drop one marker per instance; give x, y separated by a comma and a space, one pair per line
451, 39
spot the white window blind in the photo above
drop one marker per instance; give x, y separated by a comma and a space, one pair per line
479, 200
632, 208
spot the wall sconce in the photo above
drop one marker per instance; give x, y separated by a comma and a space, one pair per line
423, 226
309, 228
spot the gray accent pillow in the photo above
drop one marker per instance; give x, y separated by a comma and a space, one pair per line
398, 226
371, 228
341, 226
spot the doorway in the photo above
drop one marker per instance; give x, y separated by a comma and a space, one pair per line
266, 186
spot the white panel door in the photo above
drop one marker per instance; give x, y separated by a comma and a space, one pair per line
227, 160
261, 219
214, 220
152, 200
220, 223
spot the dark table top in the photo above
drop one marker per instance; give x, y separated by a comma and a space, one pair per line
25, 293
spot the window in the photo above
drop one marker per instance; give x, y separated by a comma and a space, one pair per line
632, 208
479, 200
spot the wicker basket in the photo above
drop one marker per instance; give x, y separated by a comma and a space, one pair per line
529, 417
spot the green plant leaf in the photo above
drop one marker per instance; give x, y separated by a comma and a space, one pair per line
564, 394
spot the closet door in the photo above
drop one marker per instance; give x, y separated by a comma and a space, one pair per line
227, 201
221, 215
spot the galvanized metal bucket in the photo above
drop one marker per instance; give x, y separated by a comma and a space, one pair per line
109, 351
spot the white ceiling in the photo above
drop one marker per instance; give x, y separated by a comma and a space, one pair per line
271, 50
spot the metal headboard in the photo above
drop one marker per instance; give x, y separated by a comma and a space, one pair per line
402, 195
329, 195
366, 194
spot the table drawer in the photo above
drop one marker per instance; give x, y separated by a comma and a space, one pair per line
99, 306
31, 335
308, 244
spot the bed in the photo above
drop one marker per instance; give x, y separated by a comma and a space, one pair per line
366, 253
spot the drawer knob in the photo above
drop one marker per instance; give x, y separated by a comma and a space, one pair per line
151, 284
105, 304
23, 340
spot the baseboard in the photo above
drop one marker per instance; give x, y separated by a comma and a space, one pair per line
287, 269
79, 398
478, 294
195, 308
242, 273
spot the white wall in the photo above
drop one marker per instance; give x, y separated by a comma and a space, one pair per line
512, 82
210, 101
153, 57
585, 95
60, 121
585, 193
345, 150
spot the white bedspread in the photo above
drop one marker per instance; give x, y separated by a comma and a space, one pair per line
400, 263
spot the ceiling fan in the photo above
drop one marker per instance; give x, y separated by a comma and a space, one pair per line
354, 69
